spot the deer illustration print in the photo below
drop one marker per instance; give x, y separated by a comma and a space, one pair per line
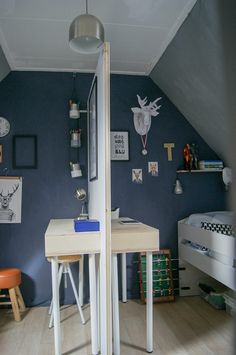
6, 213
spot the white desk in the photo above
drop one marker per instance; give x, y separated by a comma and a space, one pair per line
133, 239
60, 239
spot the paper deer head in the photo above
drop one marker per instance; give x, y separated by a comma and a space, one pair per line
144, 113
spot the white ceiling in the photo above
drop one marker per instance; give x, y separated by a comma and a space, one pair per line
34, 33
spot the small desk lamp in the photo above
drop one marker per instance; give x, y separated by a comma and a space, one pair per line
81, 194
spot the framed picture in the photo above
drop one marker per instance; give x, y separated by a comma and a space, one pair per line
24, 152
93, 149
11, 190
119, 145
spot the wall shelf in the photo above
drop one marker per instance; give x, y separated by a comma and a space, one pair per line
199, 171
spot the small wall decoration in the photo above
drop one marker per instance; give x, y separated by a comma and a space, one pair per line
142, 118
169, 147
119, 145
190, 156
24, 152
93, 154
153, 168
137, 176
10, 199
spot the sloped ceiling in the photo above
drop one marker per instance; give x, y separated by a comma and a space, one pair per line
4, 66
192, 72
34, 33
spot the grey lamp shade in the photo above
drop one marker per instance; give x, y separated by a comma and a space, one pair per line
178, 189
86, 34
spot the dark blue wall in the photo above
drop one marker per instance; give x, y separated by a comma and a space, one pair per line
37, 103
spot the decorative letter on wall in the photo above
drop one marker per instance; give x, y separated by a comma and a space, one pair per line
142, 118
169, 147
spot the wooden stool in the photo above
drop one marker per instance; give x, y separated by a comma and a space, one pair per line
10, 279
64, 268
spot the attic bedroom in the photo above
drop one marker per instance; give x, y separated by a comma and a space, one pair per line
167, 182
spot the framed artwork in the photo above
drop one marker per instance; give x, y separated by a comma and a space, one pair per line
153, 168
120, 145
137, 176
92, 119
24, 152
11, 199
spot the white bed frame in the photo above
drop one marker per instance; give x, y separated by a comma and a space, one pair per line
225, 245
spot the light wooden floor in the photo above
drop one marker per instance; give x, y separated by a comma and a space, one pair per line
187, 326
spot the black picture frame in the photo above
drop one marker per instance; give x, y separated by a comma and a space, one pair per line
92, 136
24, 152
119, 145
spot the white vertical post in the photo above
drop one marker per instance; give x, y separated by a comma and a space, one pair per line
124, 277
149, 298
99, 191
56, 309
115, 306
81, 281
93, 304
98, 300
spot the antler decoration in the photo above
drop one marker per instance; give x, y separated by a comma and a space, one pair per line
142, 118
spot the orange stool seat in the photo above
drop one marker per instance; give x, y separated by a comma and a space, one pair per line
10, 279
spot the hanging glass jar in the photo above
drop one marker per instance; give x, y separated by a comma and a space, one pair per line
75, 138
74, 104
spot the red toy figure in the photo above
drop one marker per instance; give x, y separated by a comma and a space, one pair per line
187, 157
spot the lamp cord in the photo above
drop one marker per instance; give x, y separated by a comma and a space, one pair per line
86, 6
74, 93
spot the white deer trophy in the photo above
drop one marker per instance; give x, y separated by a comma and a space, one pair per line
143, 118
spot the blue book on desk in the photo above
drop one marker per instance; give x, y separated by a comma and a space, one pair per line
86, 225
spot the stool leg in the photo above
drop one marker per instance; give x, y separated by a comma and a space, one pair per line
75, 292
51, 306
14, 303
20, 299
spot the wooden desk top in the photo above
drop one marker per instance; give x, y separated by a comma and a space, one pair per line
61, 239
133, 238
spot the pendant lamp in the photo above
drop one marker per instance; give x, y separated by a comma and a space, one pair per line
86, 33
